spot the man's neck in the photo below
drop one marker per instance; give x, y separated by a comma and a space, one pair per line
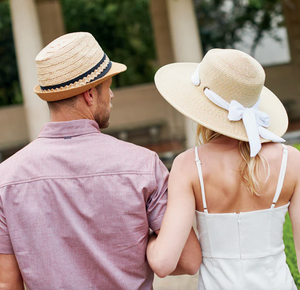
70, 113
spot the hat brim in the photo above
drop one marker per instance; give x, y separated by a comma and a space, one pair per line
174, 83
60, 94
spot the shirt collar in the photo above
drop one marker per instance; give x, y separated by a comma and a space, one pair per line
69, 128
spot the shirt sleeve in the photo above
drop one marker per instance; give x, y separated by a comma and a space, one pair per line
5, 243
157, 200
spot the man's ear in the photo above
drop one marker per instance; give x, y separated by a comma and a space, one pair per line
89, 97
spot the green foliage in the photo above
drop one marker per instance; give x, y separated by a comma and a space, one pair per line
123, 29
288, 240
290, 250
224, 22
9, 82
297, 146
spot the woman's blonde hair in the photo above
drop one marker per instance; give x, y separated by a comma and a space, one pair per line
250, 166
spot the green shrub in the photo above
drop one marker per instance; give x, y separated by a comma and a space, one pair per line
124, 31
297, 146
290, 250
288, 240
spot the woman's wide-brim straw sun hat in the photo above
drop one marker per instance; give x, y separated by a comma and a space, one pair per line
231, 75
71, 65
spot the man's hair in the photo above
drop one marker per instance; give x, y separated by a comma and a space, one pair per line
69, 102
55, 105
98, 88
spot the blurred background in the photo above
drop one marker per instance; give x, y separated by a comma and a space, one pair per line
144, 35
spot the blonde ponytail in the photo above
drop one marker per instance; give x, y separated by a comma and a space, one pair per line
205, 135
250, 167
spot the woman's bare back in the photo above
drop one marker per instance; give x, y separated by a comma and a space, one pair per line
225, 190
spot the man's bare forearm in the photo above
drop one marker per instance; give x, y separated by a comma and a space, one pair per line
10, 276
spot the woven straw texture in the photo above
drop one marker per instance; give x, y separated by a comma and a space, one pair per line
69, 57
233, 75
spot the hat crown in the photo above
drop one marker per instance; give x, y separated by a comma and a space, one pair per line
53, 47
233, 75
71, 65
67, 58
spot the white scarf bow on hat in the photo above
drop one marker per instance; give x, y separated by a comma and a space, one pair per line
253, 119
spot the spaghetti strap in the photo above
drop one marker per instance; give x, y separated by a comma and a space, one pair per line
281, 175
198, 163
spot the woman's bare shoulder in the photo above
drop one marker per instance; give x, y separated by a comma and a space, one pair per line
273, 152
293, 158
185, 160
293, 151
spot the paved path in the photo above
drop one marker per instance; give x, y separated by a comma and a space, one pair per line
183, 282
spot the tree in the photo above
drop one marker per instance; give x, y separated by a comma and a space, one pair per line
10, 92
123, 29
224, 22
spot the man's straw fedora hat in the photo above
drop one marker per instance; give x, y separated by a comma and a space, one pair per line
232, 75
71, 65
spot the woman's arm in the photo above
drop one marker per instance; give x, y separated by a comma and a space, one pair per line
190, 259
176, 249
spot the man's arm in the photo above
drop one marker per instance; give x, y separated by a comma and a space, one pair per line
10, 276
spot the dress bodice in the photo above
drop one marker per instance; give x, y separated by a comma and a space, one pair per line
244, 235
243, 251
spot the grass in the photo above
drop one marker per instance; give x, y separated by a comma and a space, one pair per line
290, 246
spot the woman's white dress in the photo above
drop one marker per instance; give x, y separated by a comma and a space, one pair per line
244, 251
